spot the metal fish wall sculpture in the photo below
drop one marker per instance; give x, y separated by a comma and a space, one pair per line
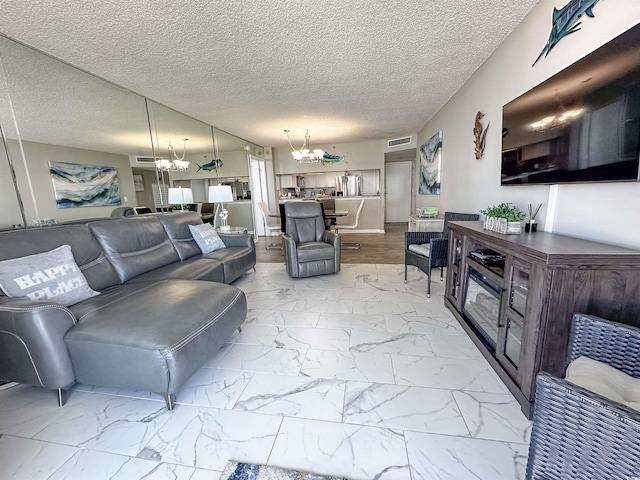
328, 159
565, 22
479, 134
212, 165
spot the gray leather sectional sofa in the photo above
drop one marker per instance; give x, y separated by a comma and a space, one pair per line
164, 308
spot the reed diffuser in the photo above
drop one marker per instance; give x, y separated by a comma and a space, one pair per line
531, 226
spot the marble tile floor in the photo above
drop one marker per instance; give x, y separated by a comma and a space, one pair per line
354, 374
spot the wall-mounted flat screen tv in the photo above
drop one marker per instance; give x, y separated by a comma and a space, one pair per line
581, 125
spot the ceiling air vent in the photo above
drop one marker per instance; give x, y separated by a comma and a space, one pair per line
397, 142
144, 160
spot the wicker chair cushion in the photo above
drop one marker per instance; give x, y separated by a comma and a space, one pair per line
423, 249
605, 380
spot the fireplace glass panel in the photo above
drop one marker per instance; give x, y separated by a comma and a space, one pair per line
513, 342
482, 306
519, 290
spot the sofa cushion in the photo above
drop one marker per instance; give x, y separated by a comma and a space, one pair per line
50, 276
206, 238
423, 249
312, 251
86, 251
135, 245
194, 268
177, 227
152, 336
605, 380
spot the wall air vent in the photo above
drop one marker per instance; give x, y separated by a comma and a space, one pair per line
144, 160
397, 142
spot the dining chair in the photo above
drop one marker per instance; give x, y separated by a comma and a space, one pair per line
207, 212
329, 204
353, 226
270, 224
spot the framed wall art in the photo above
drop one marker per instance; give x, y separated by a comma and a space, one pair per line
430, 165
79, 185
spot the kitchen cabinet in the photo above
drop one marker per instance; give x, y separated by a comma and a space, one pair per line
287, 181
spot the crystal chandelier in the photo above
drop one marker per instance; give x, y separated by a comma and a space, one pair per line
304, 154
175, 163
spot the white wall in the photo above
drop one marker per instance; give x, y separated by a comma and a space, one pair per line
358, 156
605, 212
39, 155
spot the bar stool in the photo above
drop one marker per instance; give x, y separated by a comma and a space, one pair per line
270, 224
353, 226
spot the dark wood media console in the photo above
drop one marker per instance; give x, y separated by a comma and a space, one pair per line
519, 313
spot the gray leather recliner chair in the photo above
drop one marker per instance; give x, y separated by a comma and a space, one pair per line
122, 212
309, 249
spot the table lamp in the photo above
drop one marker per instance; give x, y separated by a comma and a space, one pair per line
180, 196
220, 194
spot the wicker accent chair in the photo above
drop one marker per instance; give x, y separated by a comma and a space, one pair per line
435, 247
579, 434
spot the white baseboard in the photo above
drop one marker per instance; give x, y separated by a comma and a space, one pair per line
370, 230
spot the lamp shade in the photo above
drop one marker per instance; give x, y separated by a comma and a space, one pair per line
220, 194
180, 196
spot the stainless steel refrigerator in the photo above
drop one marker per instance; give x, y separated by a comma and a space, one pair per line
349, 185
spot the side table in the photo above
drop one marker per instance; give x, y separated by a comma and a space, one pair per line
418, 224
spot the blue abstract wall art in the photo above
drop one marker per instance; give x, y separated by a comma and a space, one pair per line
79, 185
430, 164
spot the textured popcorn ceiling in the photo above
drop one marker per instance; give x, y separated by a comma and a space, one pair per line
347, 70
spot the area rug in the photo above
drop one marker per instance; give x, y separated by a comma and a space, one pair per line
249, 471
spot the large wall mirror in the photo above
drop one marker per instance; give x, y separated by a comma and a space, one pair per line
182, 145
63, 120
60, 123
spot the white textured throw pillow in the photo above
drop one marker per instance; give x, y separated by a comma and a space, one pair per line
206, 237
605, 380
52, 277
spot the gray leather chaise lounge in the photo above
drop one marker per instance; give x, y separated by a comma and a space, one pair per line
163, 309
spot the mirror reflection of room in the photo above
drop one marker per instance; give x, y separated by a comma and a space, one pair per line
70, 121
66, 120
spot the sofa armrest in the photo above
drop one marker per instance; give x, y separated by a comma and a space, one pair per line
237, 240
32, 346
615, 344
580, 434
438, 250
290, 254
334, 239
331, 237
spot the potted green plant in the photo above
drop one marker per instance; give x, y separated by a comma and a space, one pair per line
505, 218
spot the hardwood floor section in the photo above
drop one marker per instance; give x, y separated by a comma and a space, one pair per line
385, 247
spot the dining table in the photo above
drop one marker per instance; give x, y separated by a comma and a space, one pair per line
330, 214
